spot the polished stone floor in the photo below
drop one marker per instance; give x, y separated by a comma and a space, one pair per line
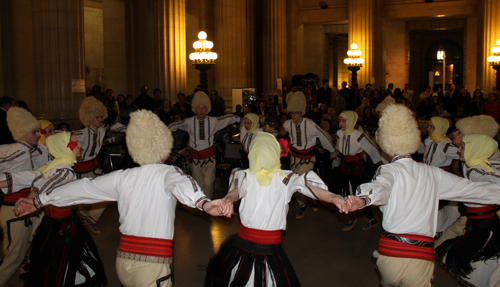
321, 253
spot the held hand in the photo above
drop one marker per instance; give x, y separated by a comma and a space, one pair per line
24, 207
354, 203
339, 201
334, 155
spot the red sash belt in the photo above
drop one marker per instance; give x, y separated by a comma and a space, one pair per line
13, 197
393, 248
446, 168
86, 166
260, 236
481, 212
353, 158
303, 153
57, 213
148, 246
203, 154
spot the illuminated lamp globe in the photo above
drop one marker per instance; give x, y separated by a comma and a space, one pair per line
203, 56
202, 35
193, 56
354, 46
197, 45
208, 44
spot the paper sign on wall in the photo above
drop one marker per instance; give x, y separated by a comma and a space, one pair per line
78, 85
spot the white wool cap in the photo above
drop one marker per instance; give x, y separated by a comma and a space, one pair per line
200, 98
384, 104
21, 122
482, 124
149, 140
91, 108
398, 133
297, 103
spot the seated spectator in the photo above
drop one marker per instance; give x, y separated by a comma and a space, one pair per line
126, 109
491, 108
376, 99
217, 103
238, 111
182, 106
165, 113
369, 121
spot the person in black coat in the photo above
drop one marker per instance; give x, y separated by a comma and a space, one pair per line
6, 103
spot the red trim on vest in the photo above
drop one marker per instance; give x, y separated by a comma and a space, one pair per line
86, 166
148, 246
260, 236
203, 154
446, 168
57, 213
482, 209
353, 158
13, 197
303, 153
393, 248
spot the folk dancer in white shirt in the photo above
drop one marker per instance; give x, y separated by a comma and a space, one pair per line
351, 143
482, 124
201, 129
473, 257
146, 196
303, 135
440, 151
255, 256
92, 112
62, 251
408, 194
248, 131
26, 154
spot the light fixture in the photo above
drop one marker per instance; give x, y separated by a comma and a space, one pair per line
495, 58
203, 51
437, 74
354, 57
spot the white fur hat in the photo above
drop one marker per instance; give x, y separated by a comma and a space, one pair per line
149, 140
91, 108
21, 122
200, 98
384, 104
398, 133
482, 124
297, 103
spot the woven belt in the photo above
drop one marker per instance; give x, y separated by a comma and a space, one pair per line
407, 240
144, 258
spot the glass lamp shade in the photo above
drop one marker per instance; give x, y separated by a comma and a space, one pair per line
354, 46
197, 45
202, 35
208, 44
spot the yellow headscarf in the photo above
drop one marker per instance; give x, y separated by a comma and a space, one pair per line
44, 124
264, 158
58, 148
255, 121
478, 148
441, 126
352, 119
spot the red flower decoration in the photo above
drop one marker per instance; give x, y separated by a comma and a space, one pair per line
285, 148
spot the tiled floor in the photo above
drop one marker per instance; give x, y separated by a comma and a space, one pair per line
321, 253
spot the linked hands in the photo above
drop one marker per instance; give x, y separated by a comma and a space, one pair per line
24, 206
348, 204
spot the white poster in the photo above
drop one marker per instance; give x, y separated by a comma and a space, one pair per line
78, 85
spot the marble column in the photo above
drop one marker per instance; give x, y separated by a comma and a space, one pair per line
361, 32
156, 46
491, 35
234, 46
58, 56
273, 43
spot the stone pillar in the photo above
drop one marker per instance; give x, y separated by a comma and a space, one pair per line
491, 35
274, 43
58, 52
361, 31
156, 46
233, 46
115, 53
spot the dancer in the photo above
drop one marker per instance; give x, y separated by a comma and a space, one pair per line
248, 131
62, 251
46, 130
201, 129
146, 196
255, 256
408, 194
26, 154
91, 113
303, 134
351, 144
473, 257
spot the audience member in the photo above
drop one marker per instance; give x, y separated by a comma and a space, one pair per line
144, 101
6, 103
